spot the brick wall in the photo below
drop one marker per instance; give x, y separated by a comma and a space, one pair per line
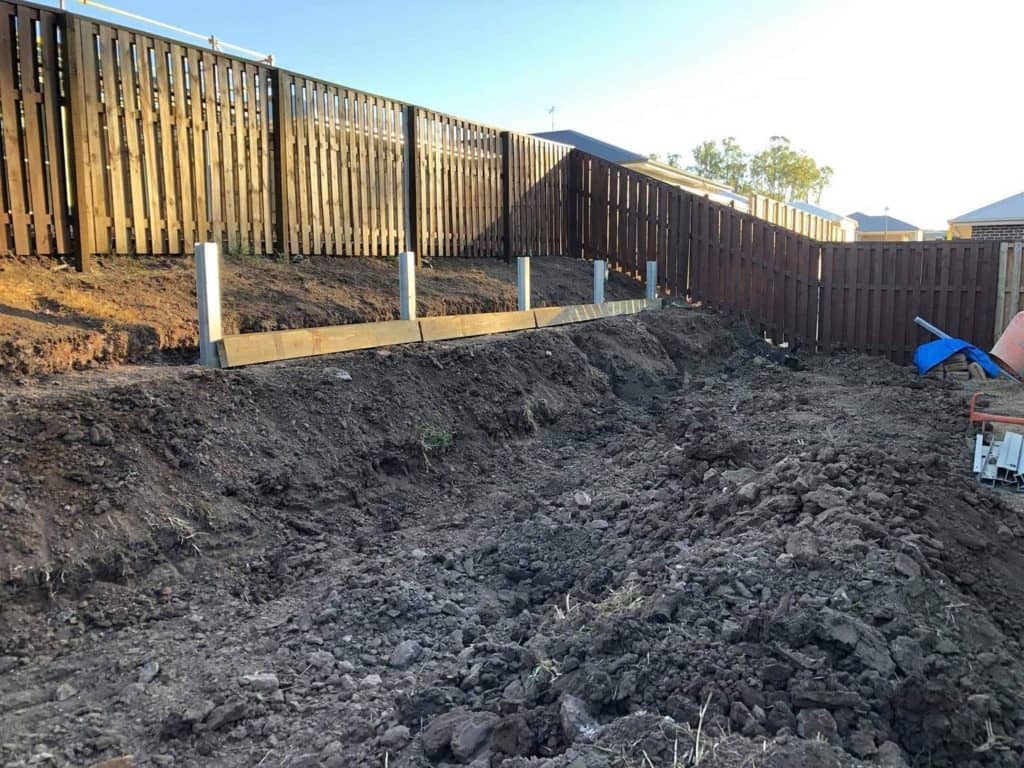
998, 232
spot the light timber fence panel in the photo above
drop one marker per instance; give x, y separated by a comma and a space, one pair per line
35, 201
172, 137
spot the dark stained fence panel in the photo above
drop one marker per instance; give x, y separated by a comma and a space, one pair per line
828, 296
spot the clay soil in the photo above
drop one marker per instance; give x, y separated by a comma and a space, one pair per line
144, 309
632, 542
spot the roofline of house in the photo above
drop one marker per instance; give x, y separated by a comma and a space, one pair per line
671, 170
890, 231
987, 222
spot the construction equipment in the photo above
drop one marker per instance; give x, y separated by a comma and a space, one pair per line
997, 460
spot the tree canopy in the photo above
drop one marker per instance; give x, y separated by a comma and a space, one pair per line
779, 170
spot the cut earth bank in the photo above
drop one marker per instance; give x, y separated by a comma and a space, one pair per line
628, 542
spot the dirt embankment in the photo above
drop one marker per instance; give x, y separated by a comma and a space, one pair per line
144, 309
627, 543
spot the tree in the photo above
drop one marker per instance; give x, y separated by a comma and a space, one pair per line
672, 158
788, 174
727, 163
778, 171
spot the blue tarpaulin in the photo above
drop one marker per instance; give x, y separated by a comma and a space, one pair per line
934, 353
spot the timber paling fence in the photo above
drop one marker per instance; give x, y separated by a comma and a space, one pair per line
117, 141
830, 296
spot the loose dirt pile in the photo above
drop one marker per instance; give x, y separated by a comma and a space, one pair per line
144, 309
630, 542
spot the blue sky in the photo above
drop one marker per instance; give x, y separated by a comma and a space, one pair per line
915, 103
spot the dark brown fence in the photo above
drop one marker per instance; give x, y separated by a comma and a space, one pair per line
829, 296
167, 144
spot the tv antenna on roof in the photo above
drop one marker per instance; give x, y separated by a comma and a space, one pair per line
551, 111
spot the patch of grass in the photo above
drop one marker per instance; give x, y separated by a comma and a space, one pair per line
623, 598
240, 251
434, 439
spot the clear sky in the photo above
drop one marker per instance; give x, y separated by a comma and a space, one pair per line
917, 105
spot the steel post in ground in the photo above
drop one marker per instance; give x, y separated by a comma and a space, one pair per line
407, 285
523, 283
599, 272
208, 297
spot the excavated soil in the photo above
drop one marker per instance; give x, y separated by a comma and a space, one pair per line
144, 309
633, 542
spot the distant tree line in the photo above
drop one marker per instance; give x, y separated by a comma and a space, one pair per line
779, 170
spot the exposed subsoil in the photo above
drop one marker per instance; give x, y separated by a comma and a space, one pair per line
144, 309
632, 542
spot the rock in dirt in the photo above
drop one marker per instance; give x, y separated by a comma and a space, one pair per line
321, 659
264, 682
395, 737
905, 565
891, 756
908, 654
225, 714
372, 681
803, 546
101, 435
577, 722
405, 653
469, 735
125, 761
148, 672
64, 692
863, 642
337, 374
817, 724
582, 499
437, 736
512, 736
749, 492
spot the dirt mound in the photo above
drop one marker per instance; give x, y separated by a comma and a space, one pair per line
144, 309
631, 542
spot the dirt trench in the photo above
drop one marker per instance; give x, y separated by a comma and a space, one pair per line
634, 542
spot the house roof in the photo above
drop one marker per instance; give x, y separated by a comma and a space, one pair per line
1008, 209
601, 149
885, 223
677, 176
736, 197
637, 162
822, 212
